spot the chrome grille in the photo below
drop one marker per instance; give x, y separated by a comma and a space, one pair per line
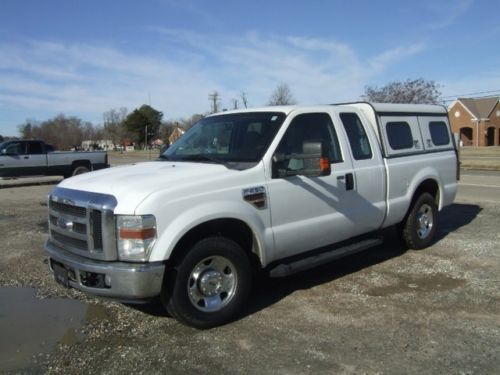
78, 221
69, 241
69, 226
68, 209
96, 221
77, 227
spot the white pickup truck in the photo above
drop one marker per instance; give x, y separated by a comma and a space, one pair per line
280, 189
28, 158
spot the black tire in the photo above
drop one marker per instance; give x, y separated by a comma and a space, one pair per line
419, 226
209, 286
80, 170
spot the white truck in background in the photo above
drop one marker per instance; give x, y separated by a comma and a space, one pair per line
280, 189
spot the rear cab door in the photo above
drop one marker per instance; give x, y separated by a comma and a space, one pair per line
370, 179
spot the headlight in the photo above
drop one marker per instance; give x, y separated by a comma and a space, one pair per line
136, 237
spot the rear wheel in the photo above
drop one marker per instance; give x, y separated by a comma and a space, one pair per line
419, 226
80, 170
210, 284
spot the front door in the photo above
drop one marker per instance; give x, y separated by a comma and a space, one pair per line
23, 159
12, 163
311, 212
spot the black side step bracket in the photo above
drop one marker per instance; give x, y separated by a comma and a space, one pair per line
286, 269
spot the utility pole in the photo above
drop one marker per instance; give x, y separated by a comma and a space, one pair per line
214, 99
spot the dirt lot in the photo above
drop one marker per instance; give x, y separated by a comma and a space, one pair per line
383, 311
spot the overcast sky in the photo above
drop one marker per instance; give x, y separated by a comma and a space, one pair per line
85, 57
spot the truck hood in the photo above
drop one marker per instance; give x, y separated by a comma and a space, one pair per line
131, 184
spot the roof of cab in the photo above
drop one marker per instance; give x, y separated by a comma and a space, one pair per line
377, 107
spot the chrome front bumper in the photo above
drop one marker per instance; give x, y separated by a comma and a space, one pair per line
118, 280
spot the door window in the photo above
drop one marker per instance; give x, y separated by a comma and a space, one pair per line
16, 148
310, 127
356, 134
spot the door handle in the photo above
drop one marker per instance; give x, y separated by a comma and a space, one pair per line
349, 180
26, 157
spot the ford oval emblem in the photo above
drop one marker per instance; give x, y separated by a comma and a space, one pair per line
64, 224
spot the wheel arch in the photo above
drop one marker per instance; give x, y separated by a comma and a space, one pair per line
431, 186
231, 228
81, 163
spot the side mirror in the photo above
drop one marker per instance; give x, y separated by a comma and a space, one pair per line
315, 163
3, 151
310, 163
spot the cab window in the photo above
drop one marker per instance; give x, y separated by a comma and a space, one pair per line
309, 127
356, 134
35, 148
16, 148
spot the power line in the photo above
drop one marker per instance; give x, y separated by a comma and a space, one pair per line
473, 93
471, 97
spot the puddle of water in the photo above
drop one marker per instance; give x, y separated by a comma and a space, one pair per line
417, 283
29, 326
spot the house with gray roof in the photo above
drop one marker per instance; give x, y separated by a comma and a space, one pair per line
477, 120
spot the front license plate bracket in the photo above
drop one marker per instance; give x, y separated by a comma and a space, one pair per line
61, 275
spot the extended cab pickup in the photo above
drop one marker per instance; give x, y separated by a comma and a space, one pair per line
280, 189
28, 158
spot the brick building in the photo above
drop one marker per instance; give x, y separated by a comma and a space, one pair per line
477, 120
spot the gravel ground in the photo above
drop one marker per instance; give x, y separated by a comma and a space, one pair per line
382, 311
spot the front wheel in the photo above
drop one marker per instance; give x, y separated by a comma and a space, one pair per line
419, 226
210, 285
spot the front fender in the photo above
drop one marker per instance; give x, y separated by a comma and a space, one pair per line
257, 220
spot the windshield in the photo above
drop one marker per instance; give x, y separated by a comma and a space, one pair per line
241, 137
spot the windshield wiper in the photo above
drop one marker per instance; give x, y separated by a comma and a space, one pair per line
204, 157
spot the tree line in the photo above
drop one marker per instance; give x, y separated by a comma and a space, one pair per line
145, 124
140, 127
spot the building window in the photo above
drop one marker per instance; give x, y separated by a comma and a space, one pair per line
399, 135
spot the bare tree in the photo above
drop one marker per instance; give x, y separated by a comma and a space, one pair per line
113, 124
244, 100
61, 131
282, 95
214, 99
26, 129
417, 91
186, 124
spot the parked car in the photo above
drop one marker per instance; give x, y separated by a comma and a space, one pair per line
279, 189
27, 158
